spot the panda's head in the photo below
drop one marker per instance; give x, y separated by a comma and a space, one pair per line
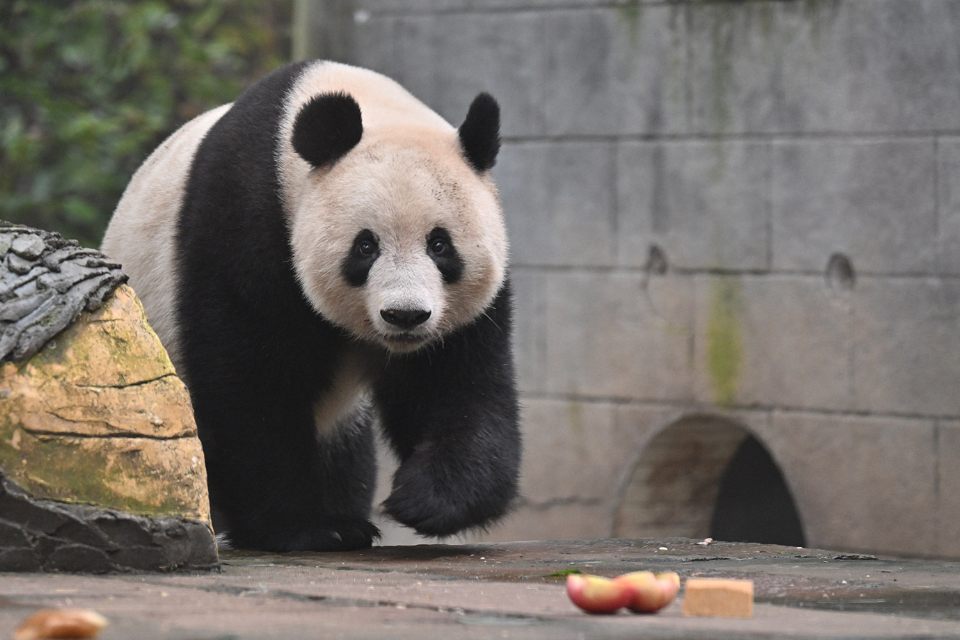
397, 230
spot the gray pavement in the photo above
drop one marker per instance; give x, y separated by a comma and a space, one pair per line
502, 591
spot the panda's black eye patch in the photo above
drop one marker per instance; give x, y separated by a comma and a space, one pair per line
363, 253
444, 254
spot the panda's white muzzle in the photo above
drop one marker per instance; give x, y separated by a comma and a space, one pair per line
405, 300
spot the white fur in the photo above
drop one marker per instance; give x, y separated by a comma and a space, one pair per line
348, 396
141, 234
405, 177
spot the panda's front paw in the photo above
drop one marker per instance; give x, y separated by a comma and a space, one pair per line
425, 514
440, 504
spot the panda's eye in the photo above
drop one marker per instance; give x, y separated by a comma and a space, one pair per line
366, 248
443, 251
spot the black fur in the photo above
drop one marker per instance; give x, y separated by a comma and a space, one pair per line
480, 133
451, 413
441, 249
326, 128
357, 264
256, 357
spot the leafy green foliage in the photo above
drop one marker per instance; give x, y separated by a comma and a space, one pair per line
88, 88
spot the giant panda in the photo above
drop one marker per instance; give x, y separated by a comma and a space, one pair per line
323, 255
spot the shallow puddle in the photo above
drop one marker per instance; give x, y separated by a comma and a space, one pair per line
934, 605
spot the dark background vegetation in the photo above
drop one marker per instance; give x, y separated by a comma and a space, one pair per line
89, 88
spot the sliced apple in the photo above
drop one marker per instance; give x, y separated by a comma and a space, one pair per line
672, 580
63, 623
650, 592
594, 594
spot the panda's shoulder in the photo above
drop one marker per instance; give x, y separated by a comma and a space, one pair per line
253, 119
231, 202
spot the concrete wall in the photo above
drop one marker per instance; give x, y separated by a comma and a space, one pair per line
745, 213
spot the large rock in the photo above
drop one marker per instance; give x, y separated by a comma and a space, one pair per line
97, 433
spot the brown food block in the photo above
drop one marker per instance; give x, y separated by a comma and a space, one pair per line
716, 598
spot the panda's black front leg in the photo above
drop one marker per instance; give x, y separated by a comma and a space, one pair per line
451, 413
280, 484
281, 488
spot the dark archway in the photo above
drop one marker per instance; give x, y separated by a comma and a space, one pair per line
754, 503
674, 483
707, 475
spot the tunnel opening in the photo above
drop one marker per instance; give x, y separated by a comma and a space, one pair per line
708, 476
754, 503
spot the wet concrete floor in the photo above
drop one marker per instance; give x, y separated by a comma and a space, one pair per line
503, 591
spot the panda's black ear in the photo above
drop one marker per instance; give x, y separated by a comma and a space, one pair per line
480, 133
327, 128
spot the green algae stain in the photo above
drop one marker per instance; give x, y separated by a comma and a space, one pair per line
631, 14
121, 342
63, 469
724, 342
143, 476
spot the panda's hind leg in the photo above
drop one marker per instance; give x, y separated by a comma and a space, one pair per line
307, 491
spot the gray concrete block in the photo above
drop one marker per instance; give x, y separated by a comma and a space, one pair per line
613, 335
497, 53
873, 201
582, 452
447, 59
375, 7
430, 6
773, 341
796, 67
565, 521
907, 352
860, 483
559, 202
571, 451
375, 45
530, 329
948, 205
415, 44
594, 82
705, 204
948, 480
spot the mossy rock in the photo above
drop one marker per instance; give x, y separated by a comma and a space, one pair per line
99, 416
96, 427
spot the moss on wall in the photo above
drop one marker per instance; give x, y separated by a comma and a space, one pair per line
724, 341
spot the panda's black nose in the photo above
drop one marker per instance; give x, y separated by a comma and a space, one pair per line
405, 318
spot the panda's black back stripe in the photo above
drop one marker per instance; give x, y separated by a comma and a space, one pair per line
231, 204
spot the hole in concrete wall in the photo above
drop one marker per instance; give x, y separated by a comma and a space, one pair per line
675, 481
840, 274
656, 260
754, 503
688, 481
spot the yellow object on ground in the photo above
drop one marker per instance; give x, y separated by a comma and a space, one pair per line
718, 598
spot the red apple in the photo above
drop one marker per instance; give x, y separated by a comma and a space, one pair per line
650, 592
594, 594
672, 581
